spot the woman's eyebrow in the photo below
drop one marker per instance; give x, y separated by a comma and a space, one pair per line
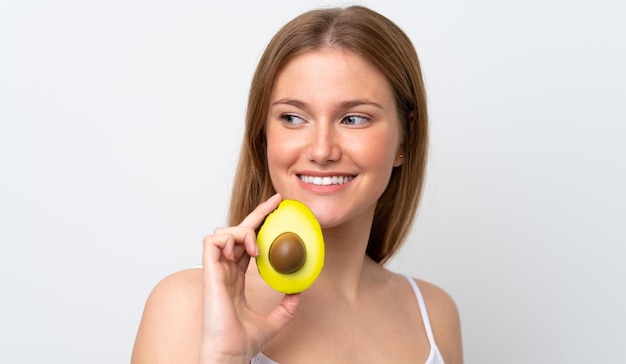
352, 103
342, 105
292, 102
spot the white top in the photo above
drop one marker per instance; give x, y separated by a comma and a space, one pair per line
434, 357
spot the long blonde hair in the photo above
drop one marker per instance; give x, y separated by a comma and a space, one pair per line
386, 46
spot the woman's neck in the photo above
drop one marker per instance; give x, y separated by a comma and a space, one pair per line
345, 263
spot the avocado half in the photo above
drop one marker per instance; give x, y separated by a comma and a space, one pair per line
291, 248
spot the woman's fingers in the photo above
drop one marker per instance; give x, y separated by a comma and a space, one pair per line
229, 239
226, 243
245, 232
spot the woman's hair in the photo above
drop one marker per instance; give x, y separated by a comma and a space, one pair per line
381, 42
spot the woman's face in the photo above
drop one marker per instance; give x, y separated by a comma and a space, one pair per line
333, 135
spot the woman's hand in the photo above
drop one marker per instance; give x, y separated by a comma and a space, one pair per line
232, 332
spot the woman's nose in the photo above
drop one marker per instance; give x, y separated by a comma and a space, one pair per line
324, 145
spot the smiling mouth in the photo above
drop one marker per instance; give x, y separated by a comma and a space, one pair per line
325, 181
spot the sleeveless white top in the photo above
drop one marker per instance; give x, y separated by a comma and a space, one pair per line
434, 357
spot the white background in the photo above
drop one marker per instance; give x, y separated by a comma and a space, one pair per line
120, 124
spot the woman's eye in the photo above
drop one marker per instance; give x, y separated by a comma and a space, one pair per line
355, 120
291, 119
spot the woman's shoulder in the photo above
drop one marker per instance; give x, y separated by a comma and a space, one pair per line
437, 299
174, 306
444, 320
180, 288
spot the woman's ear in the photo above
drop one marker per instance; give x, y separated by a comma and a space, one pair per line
399, 159
409, 129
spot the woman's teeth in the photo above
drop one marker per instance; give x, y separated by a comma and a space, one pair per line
326, 181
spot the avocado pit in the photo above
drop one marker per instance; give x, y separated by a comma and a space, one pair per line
287, 253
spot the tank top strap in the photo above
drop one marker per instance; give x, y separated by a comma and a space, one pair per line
424, 312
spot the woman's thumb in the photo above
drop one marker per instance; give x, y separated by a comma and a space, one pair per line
284, 312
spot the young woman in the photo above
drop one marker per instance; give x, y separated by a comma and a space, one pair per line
336, 119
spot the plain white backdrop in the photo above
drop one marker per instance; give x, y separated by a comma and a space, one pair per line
120, 124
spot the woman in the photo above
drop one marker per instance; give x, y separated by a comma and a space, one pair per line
338, 93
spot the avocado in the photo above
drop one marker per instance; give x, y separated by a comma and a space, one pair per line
291, 248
